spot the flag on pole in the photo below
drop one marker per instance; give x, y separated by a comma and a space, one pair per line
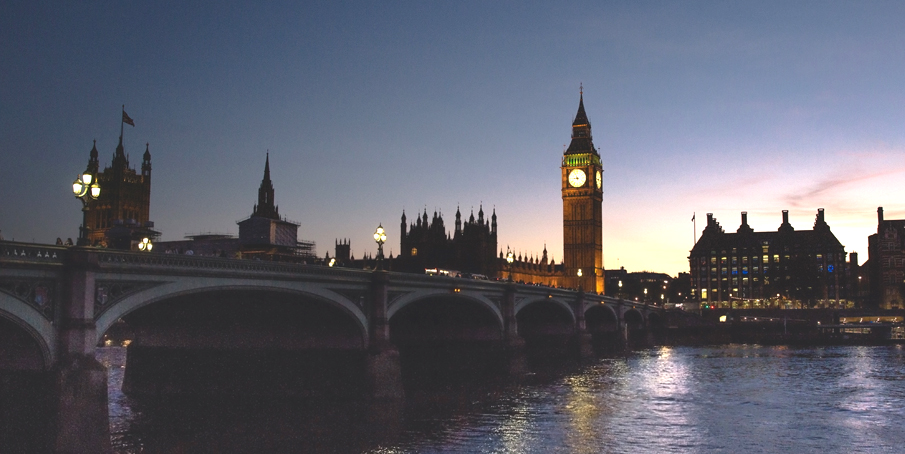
692, 214
127, 119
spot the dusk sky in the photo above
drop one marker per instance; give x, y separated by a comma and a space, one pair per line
369, 108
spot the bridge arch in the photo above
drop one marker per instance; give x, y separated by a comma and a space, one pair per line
520, 305
31, 323
171, 290
426, 294
545, 321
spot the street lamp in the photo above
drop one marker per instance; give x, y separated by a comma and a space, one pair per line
145, 245
579, 279
509, 259
85, 188
620, 288
645, 294
380, 236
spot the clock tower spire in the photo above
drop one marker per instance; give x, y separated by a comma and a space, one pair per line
582, 200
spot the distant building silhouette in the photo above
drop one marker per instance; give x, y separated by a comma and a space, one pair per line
426, 244
263, 236
788, 267
886, 263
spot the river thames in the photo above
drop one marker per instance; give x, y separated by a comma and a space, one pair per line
717, 399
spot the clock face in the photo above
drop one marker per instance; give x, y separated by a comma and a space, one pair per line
599, 180
577, 178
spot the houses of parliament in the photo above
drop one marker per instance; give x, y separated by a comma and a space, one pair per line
121, 216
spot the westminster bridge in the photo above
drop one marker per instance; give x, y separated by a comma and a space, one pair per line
194, 321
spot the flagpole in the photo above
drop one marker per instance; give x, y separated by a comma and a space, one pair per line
122, 119
694, 232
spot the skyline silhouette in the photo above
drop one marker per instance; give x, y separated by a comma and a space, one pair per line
369, 110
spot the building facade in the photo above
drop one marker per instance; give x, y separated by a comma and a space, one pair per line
122, 211
582, 203
786, 268
886, 263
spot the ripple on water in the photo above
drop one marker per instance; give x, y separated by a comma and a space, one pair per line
724, 399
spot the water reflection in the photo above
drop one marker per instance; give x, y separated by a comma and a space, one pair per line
736, 398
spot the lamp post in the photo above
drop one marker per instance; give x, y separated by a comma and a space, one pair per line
380, 236
509, 259
579, 279
645, 295
85, 188
145, 245
620, 288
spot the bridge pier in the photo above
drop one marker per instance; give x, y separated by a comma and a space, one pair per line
82, 422
383, 368
583, 338
513, 345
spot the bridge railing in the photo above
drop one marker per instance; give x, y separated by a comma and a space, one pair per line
11, 251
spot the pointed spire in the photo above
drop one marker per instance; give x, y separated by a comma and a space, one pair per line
265, 207
581, 118
581, 131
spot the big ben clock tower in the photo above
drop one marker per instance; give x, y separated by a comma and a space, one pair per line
582, 211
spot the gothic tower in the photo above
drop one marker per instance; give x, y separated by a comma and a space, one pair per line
582, 199
125, 197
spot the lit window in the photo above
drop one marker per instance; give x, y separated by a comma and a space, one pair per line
414, 251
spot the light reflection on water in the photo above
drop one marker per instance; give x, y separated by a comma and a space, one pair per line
736, 398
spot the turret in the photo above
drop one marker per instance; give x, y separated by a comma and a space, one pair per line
93, 165
146, 163
493, 225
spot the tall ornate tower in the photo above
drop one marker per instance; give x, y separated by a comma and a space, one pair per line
125, 196
582, 211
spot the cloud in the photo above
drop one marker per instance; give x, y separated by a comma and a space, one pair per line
822, 187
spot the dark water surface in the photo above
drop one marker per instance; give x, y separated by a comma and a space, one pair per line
724, 399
